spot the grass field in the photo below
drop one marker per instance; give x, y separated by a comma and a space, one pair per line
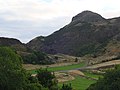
79, 83
61, 68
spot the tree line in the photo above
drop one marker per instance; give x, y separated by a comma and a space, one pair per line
14, 77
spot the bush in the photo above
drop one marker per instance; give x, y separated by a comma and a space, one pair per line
110, 81
34, 86
66, 87
46, 78
37, 58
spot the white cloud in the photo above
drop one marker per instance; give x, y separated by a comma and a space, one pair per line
37, 17
38, 9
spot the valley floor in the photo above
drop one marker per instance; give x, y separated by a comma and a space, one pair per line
70, 72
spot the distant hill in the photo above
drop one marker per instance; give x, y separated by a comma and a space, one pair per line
13, 43
28, 55
87, 33
8, 41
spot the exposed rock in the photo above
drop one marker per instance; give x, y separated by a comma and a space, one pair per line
76, 73
63, 77
88, 16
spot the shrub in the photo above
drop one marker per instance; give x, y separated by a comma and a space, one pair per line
66, 87
46, 78
110, 81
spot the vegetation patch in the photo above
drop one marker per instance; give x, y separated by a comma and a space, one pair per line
110, 81
63, 68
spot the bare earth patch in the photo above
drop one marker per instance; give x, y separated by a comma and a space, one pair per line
76, 73
63, 77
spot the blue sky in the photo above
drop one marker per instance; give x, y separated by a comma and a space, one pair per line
27, 19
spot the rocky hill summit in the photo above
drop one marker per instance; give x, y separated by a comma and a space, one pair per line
88, 16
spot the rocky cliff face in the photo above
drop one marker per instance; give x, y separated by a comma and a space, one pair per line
87, 33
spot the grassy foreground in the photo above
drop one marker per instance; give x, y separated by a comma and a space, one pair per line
80, 83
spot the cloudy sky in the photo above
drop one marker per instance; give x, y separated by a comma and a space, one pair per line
26, 19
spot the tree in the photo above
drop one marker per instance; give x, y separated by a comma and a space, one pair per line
37, 58
42, 58
34, 86
110, 81
76, 60
46, 78
12, 75
30, 58
66, 87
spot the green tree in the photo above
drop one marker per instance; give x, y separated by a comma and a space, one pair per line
46, 78
66, 87
37, 58
34, 86
42, 58
110, 81
76, 60
30, 58
12, 75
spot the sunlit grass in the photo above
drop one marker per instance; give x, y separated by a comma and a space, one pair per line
79, 83
62, 68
